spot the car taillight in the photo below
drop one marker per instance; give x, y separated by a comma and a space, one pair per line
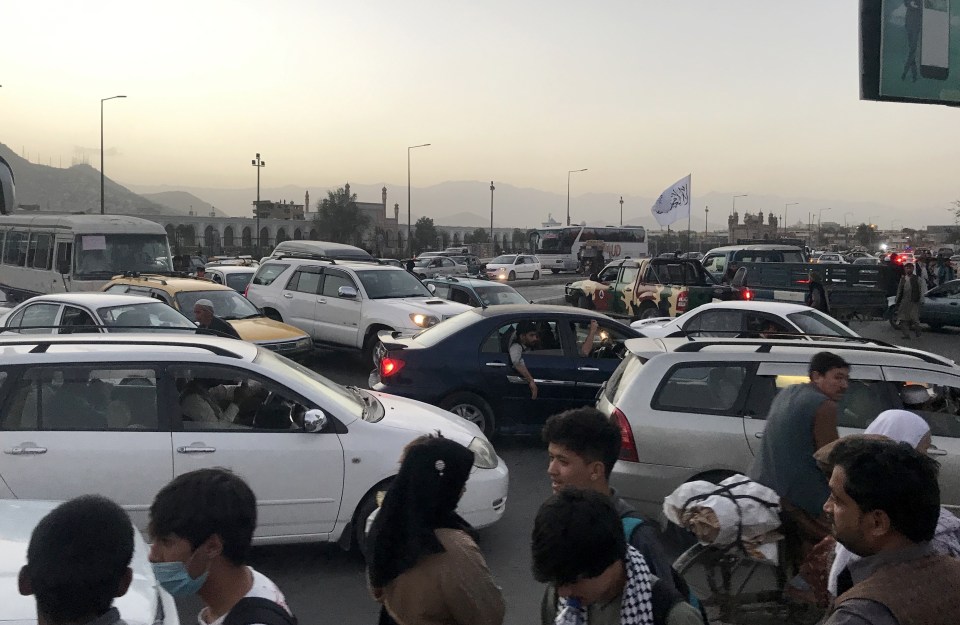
682, 300
390, 366
246, 289
628, 446
746, 294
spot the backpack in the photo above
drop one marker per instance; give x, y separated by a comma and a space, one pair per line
664, 597
258, 611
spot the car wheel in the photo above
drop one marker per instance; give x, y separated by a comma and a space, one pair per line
471, 407
512, 276
536, 275
554, 271
370, 347
649, 312
364, 510
584, 302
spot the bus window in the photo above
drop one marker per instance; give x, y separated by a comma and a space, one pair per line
101, 256
64, 254
15, 251
40, 251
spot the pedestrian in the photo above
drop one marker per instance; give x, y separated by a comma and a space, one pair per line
910, 293
425, 566
208, 323
202, 272
902, 426
593, 576
202, 525
884, 506
801, 420
944, 271
816, 294
582, 446
410, 265
78, 562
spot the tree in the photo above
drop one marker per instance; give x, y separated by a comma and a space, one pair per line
479, 235
424, 234
518, 239
955, 211
339, 220
864, 235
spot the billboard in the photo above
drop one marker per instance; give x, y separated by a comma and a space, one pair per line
910, 51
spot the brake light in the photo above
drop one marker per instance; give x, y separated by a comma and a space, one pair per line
682, 301
246, 289
746, 294
390, 366
628, 446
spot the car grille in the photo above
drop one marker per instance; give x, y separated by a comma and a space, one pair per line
287, 346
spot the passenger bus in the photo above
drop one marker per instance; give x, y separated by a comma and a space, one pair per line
558, 247
56, 253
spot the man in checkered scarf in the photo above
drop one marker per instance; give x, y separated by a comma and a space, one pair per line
593, 577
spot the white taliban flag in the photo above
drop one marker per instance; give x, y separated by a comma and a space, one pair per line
673, 204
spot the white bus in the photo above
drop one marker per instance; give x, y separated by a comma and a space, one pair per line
558, 247
56, 253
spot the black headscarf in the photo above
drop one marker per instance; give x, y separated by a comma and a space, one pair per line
422, 498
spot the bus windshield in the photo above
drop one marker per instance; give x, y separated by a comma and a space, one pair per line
101, 256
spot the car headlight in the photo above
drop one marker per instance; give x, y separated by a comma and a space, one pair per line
484, 456
424, 321
305, 342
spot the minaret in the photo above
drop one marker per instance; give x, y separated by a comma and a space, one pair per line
383, 197
306, 201
396, 214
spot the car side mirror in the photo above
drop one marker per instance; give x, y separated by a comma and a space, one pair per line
315, 420
347, 292
432, 288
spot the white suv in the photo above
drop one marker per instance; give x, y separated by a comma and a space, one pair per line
345, 304
696, 409
123, 414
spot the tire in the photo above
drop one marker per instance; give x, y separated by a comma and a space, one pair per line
584, 302
369, 345
554, 271
512, 276
364, 510
649, 312
471, 407
536, 275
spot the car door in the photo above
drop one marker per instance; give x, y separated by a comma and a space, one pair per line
553, 369
68, 430
603, 298
867, 396
76, 320
942, 412
235, 418
301, 298
338, 313
623, 291
604, 355
447, 267
941, 306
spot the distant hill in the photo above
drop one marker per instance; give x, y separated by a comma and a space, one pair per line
75, 189
183, 203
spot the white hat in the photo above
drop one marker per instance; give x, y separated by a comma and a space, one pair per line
204, 303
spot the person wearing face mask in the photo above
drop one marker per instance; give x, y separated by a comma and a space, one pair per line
201, 526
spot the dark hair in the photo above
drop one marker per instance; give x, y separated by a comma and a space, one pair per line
422, 498
586, 432
893, 477
525, 327
77, 557
577, 533
825, 361
199, 504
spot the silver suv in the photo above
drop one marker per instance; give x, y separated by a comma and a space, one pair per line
345, 304
696, 409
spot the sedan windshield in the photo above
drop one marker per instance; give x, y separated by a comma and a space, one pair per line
151, 317
227, 304
388, 284
350, 403
506, 259
815, 322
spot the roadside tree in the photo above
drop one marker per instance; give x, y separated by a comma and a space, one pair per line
339, 220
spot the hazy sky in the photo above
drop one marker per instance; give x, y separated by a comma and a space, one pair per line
751, 96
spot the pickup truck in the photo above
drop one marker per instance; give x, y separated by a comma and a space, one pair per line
648, 287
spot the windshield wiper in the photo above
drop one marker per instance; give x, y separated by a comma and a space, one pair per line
252, 316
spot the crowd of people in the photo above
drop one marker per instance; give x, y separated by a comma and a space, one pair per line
867, 537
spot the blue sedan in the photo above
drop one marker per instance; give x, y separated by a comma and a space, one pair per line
463, 364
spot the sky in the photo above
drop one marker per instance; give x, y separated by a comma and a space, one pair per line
750, 96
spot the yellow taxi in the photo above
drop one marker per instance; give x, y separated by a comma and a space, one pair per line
235, 309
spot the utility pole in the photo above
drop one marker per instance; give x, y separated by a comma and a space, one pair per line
491, 212
258, 164
621, 211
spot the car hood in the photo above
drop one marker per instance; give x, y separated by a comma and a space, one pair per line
429, 305
265, 329
416, 416
18, 517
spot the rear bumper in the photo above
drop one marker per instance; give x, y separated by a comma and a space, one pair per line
645, 485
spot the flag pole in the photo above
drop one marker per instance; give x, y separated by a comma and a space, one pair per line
689, 214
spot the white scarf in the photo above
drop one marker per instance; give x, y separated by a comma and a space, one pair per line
636, 606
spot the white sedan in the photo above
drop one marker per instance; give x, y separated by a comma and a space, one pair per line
92, 311
745, 319
513, 267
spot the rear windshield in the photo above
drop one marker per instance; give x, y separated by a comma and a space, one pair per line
268, 273
814, 322
238, 281
433, 335
628, 369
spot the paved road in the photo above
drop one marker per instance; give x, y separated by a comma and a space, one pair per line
326, 585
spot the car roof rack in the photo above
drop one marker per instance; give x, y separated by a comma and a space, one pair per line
43, 344
766, 345
738, 334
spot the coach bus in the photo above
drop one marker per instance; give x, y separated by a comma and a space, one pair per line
558, 247
56, 253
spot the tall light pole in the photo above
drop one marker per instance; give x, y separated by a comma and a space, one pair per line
409, 226
706, 227
734, 209
621, 211
572, 171
492, 188
102, 100
820, 223
785, 207
256, 207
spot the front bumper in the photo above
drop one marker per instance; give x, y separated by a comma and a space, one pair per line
485, 499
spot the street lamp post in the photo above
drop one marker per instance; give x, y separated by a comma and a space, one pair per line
706, 213
572, 171
256, 207
734, 209
492, 188
102, 100
621, 211
785, 207
409, 226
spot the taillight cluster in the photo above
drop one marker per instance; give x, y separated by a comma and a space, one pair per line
746, 294
682, 300
390, 366
628, 446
